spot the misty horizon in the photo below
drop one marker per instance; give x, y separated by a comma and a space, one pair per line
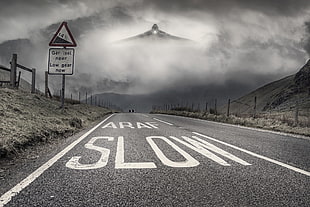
236, 47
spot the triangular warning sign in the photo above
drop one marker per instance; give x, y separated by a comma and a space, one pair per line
63, 37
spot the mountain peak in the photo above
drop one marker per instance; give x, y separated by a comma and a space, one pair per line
302, 77
155, 29
156, 34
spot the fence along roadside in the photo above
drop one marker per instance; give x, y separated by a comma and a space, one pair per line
13, 82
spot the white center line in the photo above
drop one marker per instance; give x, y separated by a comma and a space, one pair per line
257, 155
163, 121
5, 198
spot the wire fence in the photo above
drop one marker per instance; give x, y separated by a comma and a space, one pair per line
297, 114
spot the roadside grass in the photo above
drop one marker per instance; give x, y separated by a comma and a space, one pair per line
26, 119
281, 122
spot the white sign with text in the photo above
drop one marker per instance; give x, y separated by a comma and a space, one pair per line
61, 61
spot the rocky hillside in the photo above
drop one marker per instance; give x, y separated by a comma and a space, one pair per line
26, 119
278, 96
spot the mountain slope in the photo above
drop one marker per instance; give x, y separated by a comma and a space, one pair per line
279, 96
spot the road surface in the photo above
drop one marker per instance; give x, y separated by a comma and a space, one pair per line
132, 159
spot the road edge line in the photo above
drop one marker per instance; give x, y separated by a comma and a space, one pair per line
163, 122
299, 136
6, 197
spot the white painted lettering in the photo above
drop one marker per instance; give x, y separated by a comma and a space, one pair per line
120, 160
217, 150
189, 162
74, 163
152, 124
122, 125
110, 125
141, 125
202, 146
198, 148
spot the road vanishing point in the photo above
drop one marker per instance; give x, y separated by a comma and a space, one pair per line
133, 159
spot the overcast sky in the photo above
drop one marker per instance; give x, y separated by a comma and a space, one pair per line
239, 44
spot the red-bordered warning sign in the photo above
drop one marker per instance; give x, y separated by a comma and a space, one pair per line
63, 37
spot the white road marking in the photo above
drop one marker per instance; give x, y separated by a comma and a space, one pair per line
5, 198
152, 124
202, 146
220, 151
243, 127
74, 163
163, 122
202, 151
257, 155
141, 125
120, 160
144, 115
110, 125
122, 125
189, 162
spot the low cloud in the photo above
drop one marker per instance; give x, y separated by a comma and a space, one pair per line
237, 45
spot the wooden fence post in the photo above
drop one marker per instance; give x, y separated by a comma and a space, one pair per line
18, 79
297, 108
228, 106
33, 84
296, 113
215, 106
255, 100
13, 71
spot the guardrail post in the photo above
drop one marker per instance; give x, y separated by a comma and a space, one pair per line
13, 71
33, 84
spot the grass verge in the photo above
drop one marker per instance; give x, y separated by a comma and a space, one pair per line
261, 122
27, 119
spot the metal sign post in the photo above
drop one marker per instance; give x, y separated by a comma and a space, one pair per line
61, 60
63, 91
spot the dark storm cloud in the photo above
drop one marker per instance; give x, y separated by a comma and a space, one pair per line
239, 44
270, 7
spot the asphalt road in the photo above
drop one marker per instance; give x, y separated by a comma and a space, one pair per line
133, 159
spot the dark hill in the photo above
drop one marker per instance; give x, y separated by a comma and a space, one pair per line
278, 96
